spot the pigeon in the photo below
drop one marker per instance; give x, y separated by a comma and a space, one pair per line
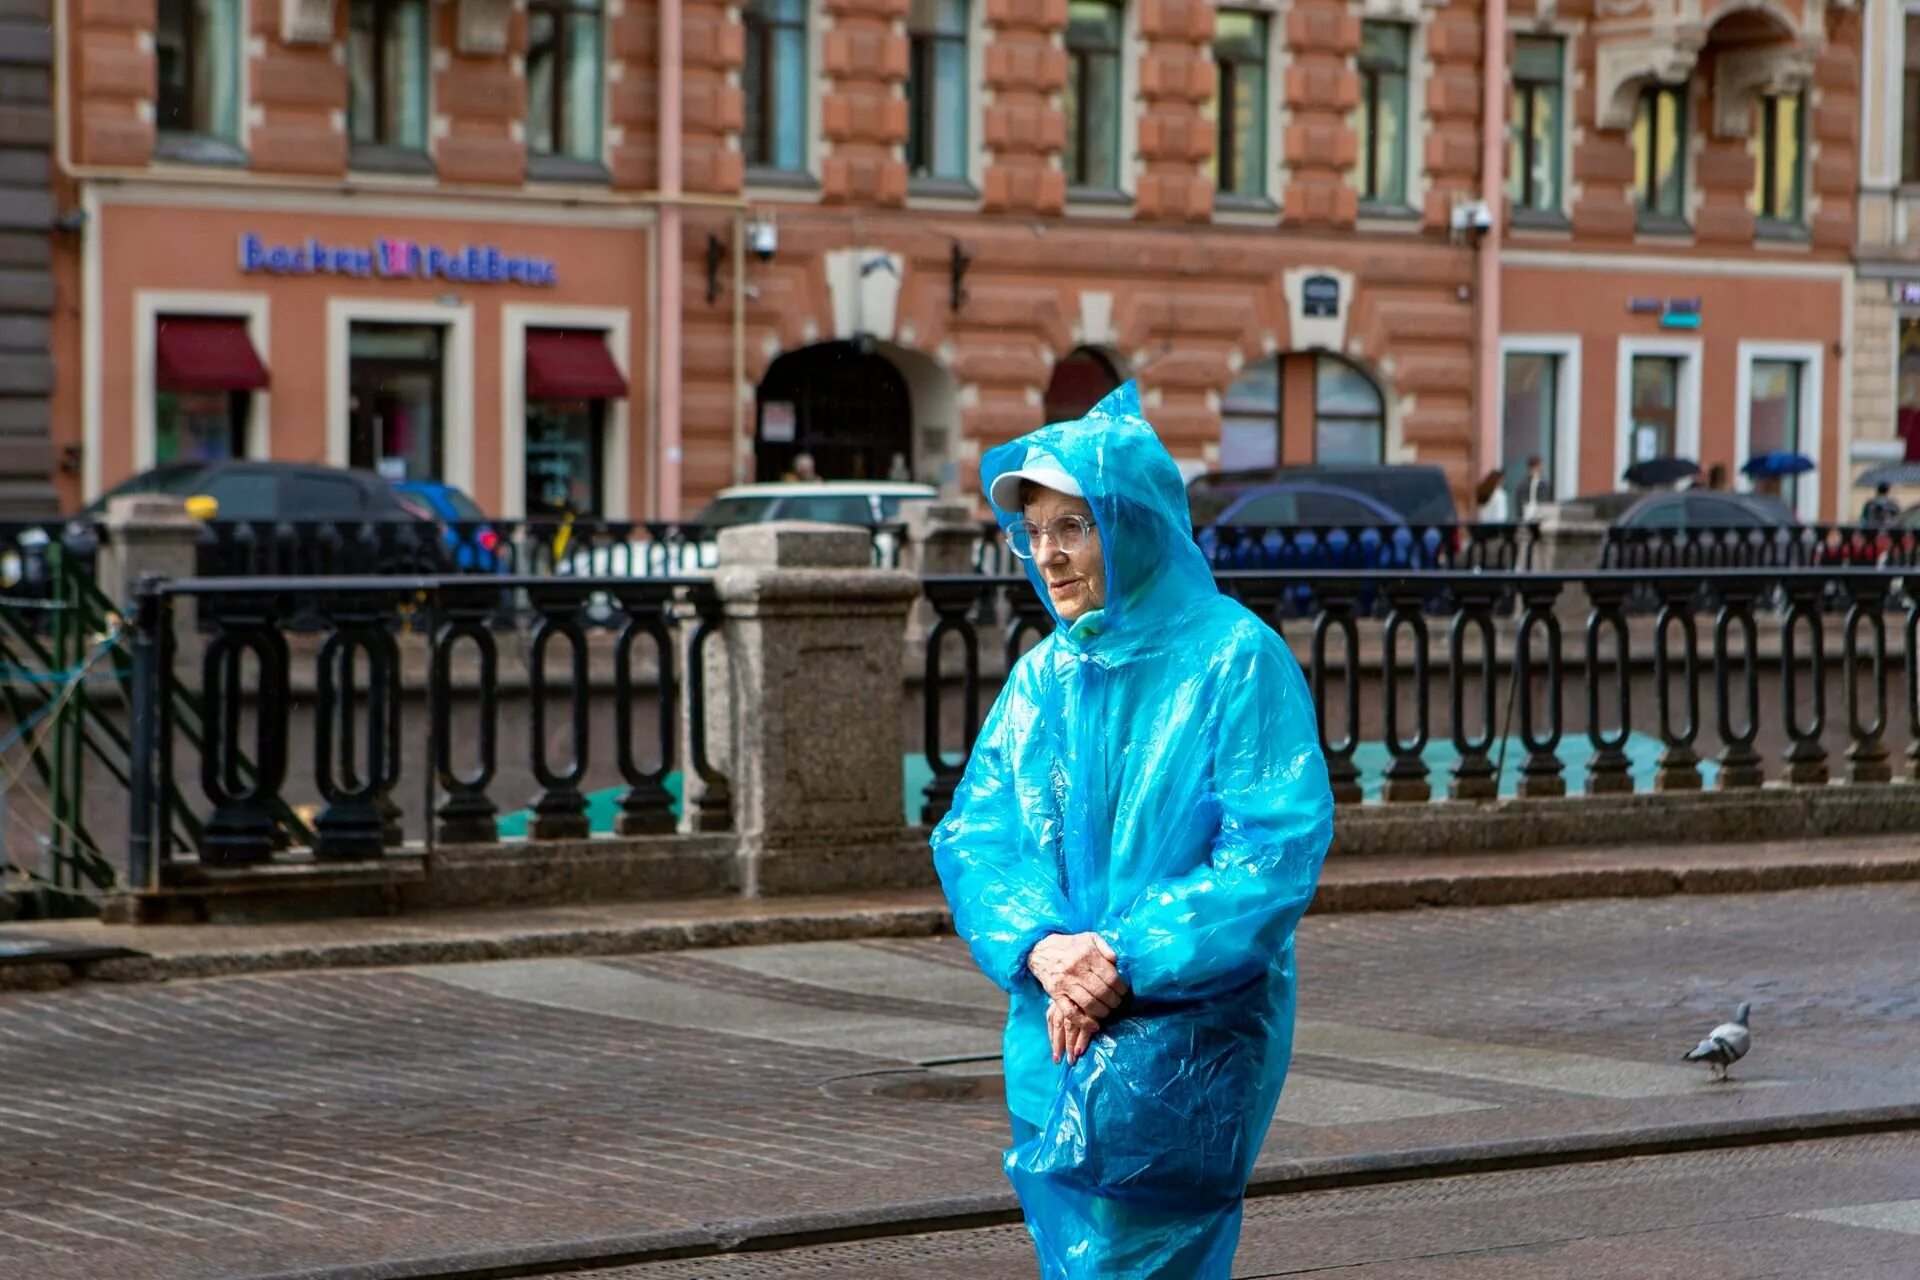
1725, 1045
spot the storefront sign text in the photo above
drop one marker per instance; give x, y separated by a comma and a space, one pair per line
389, 259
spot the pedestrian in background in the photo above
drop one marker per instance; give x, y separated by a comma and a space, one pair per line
1534, 492
1881, 509
1491, 496
1139, 829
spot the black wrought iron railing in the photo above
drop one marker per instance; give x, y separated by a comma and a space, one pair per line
343, 742
1305, 547
1810, 546
1494, 697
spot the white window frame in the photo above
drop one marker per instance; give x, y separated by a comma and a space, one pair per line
616, 323
1809, 356
148, 306
1565, 349
456, 377
1686, 427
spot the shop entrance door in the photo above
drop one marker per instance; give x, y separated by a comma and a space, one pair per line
397, 384
842, 403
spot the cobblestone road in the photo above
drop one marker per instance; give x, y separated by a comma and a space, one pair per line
248, 1125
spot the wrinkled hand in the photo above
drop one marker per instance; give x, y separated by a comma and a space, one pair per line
1080, 968
1069, 1031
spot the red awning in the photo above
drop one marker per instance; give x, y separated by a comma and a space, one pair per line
571, 364
206, 353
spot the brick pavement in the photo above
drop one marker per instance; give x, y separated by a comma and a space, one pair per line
1841, 1210
248, 1125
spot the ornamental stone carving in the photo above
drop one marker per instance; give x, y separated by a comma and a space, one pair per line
306, 21
481, 27
1740, 77
1623, 65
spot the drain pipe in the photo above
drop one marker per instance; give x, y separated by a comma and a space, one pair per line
668, 270
1493, 146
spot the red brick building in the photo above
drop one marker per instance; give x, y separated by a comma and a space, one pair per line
463, 239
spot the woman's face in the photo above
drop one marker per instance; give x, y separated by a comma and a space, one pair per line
1077, 580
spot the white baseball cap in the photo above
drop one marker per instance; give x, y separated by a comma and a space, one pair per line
1039, 468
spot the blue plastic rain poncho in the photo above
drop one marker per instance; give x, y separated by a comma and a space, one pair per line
1153, 774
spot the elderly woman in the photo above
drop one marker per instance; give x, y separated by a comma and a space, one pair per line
1140, 828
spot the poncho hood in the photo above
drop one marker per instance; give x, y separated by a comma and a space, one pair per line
1155, 572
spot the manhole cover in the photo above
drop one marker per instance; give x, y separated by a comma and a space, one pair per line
923, 1086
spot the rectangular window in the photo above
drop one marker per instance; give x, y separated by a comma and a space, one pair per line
937, 75
395, 397
197, 46
1535, 124
1385, 55
1778, 163
1773, 421
1349, 418
1660, 153
1907, 388
564, 75
1656, 407
387, 73
1092, 97
1910, 106
1529, 424
1240, 104
775, 83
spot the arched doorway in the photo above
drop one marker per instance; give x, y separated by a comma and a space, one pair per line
841, 402
1080, 381
1301, 407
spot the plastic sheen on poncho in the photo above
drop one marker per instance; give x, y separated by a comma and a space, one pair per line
1152, 773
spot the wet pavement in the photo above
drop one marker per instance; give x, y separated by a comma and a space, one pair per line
287, 1123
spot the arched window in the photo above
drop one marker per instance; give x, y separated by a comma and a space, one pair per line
1349, 416
1250, 418
844, 405
1079, 382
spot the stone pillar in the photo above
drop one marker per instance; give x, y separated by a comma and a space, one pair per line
150, 534
814, 683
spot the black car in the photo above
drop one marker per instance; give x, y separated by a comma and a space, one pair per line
1419, 493
296, 518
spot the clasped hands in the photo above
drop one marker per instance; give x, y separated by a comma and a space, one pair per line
1082, 975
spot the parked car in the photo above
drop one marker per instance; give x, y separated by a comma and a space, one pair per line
1707, 509
296, 518
869, 504
1306, 526
473, 545
1419, 494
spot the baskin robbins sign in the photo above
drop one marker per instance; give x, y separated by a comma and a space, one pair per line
390, 259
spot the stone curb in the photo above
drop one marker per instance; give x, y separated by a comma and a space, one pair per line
961, 1213
1398, 893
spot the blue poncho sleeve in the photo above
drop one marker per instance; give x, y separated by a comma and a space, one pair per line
1003, 900
1220, 925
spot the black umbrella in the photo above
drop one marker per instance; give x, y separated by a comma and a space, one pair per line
1894, 473
1658, 471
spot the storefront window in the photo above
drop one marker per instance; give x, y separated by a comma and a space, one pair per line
1908, 421
566, 456
205, 373
199, 426
1656, 407
1773, 419
1529, 418
395, 423
1349, 419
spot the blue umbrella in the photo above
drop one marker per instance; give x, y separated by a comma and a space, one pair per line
1777, 463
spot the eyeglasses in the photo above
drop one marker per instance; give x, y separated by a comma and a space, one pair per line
1069, 534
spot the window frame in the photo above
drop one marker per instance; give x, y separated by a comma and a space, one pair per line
1811, 357
558, 163
198, 145
1686, 427
1526, 90
1322, 416
758, 137
384, 153
1645, 168
1370, 83
923, 69
1910, 100
1771, 221
1225, 132
1079, 63
1565, 350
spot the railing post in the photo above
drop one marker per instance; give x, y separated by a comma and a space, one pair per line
1406, 780
952, 604
1867, 760
354, 823
146, 792
647, 806
1473, 773
242, 828
1679, 768
1542, 774
560, 812
1336, 614
815, 682
468, 814
1806, 754
1740, 764
1609, 772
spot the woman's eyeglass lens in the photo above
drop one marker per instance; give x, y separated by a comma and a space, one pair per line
1068, 533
